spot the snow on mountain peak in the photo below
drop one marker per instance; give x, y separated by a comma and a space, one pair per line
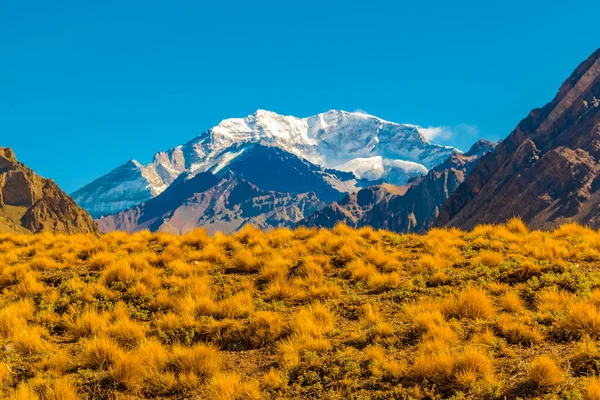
330, 138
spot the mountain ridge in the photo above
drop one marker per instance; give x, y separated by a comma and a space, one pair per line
335, 139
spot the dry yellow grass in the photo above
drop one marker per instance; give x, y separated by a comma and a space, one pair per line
591, 389
308, 313
544, 372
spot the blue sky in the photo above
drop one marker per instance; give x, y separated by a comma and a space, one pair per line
85, 86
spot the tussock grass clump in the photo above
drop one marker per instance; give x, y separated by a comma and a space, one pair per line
544, 372
472, 365
30, 341
465, 367
584, 360
433, 362
101, 261
61, 389
491, 259
552, 301
518, 332
512, 303
582, 318
266, 327
125, 371
472, 303
591, 389
516, 225
99, 353
200, 359
23, 392
230, 386
90, 323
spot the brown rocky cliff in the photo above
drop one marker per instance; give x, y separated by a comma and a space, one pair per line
547, 170
30, 203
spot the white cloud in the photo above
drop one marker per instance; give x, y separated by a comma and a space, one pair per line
449, 132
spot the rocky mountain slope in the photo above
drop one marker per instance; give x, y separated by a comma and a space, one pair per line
547, 171
364, 145
215, 203
264, 186
30, 203
409, 208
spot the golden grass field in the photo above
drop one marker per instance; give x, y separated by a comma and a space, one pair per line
498, 312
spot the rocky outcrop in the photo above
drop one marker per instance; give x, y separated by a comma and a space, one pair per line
30, 203
354, 208
409, 208
547, 171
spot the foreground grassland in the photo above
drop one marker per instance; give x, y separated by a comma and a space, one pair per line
499, 312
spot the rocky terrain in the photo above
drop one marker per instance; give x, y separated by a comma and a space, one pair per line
409, 208
547, 171
32, 204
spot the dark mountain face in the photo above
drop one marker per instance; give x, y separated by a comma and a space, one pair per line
547, 171
410, 208
263, 186
223, 204
32, 204
272, 168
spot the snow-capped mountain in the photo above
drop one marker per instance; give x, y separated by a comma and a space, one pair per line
367, 146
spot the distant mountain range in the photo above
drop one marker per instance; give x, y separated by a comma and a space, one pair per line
32, 204
368, 147
547, 171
